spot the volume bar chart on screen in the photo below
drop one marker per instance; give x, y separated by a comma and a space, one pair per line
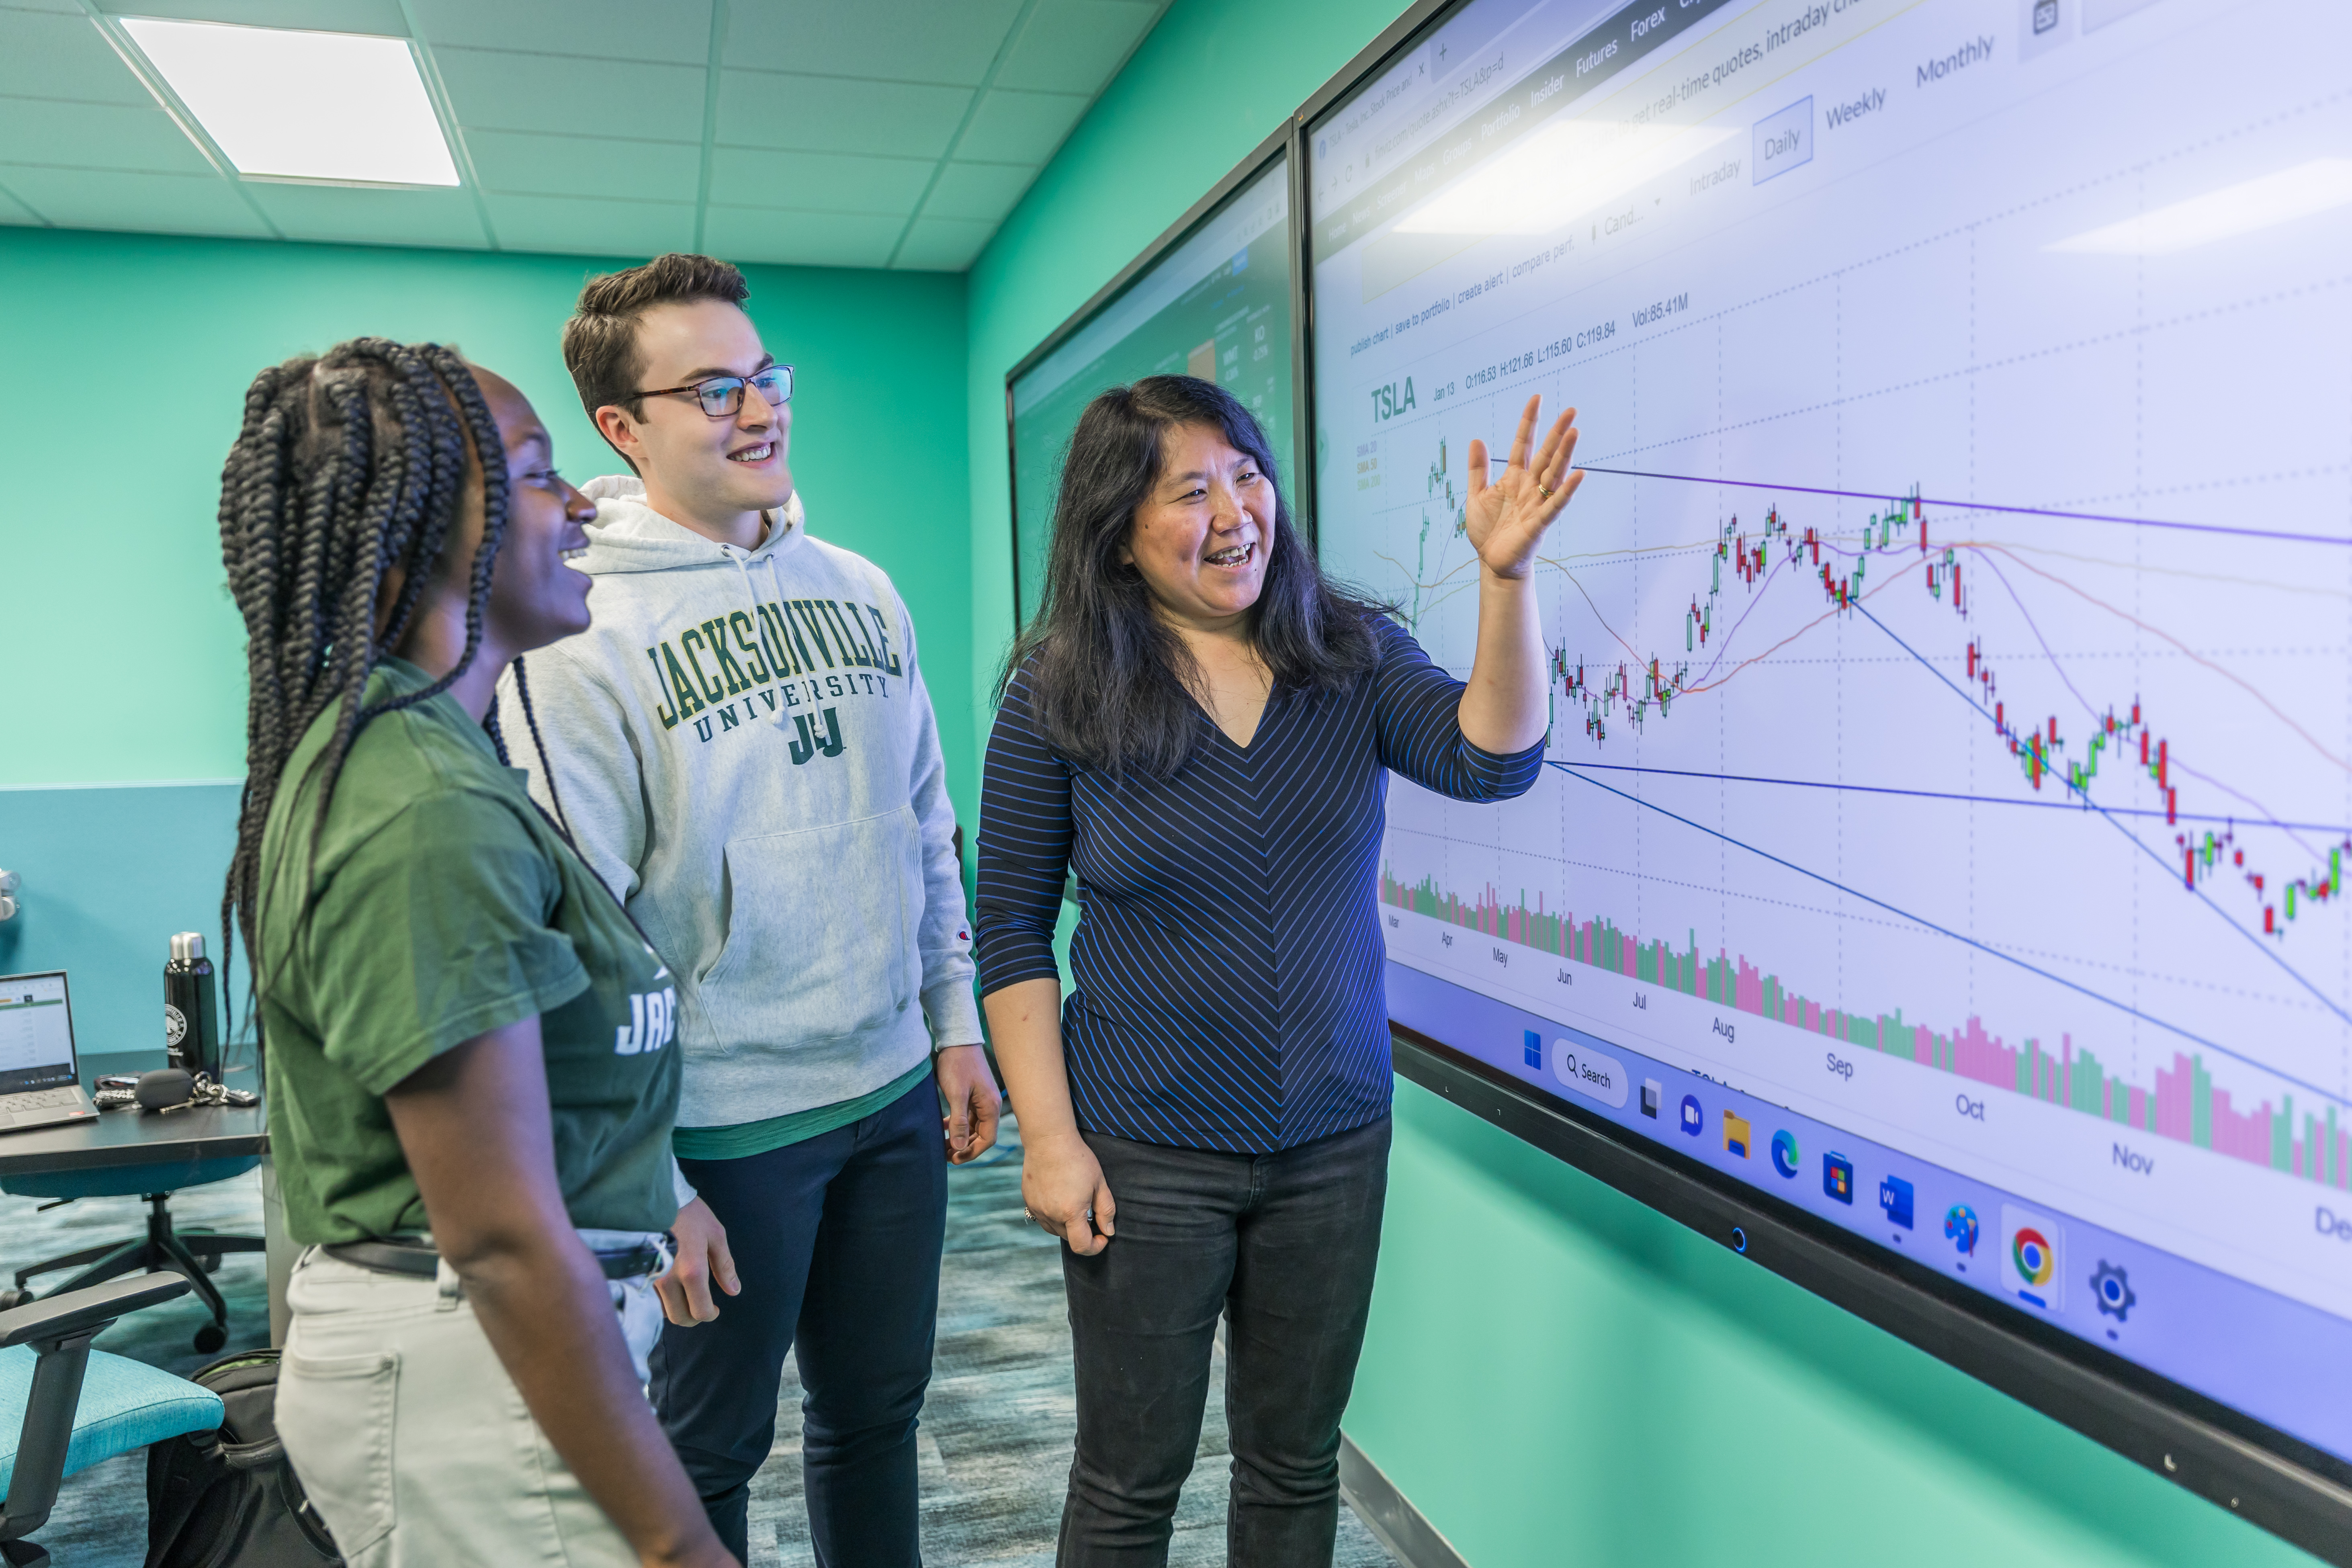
2182, 1104
1951, 645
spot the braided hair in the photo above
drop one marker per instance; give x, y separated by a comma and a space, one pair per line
349, 463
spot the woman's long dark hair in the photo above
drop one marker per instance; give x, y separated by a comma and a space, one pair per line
1110, 684
349, 463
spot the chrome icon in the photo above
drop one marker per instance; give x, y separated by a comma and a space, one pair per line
1785, 1157
2034, 1256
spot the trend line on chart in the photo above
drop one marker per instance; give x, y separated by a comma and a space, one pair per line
1954, 796
1949, 505
2184, 1104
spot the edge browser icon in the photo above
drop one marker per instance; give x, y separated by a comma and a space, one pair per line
1837, 1177
1786, 1159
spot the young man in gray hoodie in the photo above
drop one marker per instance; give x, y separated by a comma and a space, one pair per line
742, 747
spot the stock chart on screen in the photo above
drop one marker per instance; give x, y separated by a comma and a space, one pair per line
1949, 784
1217, 305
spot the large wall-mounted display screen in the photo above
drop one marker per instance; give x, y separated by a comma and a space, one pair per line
1217, 306
1949, 797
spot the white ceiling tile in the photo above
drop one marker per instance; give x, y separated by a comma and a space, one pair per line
817, 181
155, 204
96, 136
1073, 45
676, 32
530, 164
47, 54
349, 215
834, 115
500, 90
14, 212
68, 6
943, 244
573, 226
800, 239
902, 40
985, 191
1020, 127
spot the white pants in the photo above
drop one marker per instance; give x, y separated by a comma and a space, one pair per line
412, 1440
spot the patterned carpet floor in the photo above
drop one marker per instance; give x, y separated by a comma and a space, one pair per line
996, 1427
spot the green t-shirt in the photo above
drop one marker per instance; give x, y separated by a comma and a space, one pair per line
441, 905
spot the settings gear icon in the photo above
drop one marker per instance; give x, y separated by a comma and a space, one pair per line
2111, 1289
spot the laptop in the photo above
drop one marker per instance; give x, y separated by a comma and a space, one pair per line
40, 1078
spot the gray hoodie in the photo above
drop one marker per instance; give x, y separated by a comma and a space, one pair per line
746, 753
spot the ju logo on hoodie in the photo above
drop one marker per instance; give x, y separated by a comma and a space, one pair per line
796, 653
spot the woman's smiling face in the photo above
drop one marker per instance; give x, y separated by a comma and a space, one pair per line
1202, 537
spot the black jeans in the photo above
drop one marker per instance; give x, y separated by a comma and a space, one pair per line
837, 1241
1285, 1246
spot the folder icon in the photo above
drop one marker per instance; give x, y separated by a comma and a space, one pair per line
1735, 1134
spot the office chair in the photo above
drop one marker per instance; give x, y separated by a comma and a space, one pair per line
65, 1406
194, 1254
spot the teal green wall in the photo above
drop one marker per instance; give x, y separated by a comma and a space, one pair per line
1559, 1376
126, 360
1556, 1375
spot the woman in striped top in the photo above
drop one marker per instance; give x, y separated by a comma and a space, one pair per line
1201, 727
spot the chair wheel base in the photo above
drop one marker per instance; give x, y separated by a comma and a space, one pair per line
24, 1553
210, 1338
16, 1298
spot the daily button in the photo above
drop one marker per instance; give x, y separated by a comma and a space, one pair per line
1592, 1074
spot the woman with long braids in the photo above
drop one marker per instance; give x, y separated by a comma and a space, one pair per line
1202, 728
471, 1082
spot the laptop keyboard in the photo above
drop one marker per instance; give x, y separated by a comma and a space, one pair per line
37, 1099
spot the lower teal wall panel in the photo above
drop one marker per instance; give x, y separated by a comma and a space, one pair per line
1557, 1376
108, 874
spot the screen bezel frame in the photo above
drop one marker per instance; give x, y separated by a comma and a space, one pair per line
2268, 1476
2221, 1454
1284, 140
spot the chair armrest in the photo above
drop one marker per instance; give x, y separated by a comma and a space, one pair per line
87, 1311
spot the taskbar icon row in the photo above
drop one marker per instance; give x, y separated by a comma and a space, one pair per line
2030, 1259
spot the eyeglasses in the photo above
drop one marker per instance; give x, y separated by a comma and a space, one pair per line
721, 396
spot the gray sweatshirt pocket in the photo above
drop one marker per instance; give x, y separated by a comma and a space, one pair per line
820, 933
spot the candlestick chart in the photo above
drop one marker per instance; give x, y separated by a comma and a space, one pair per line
1955, 762
1944, 602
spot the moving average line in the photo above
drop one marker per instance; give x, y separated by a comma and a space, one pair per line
1981, 506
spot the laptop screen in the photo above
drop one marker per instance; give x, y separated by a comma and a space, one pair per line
36, 1048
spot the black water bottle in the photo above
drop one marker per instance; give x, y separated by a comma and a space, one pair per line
191, 1008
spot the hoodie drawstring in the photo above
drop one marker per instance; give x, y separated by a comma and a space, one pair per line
743, 570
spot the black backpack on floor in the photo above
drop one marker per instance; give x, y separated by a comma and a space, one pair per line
228, 1499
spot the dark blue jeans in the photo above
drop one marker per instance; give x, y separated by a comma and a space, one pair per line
1283, 1246
838, 1242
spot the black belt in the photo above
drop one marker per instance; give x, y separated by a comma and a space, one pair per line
402, 1256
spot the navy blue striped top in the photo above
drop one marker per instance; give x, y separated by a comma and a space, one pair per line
1226, 974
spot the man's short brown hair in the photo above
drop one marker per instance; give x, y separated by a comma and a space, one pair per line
600, 340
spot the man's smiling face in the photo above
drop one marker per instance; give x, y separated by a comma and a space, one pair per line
696, 467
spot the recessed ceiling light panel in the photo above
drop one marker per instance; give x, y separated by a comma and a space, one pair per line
303, 106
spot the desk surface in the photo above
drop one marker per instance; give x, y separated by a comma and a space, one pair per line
120, 1138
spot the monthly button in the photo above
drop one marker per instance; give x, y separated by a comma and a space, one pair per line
1593, 1074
